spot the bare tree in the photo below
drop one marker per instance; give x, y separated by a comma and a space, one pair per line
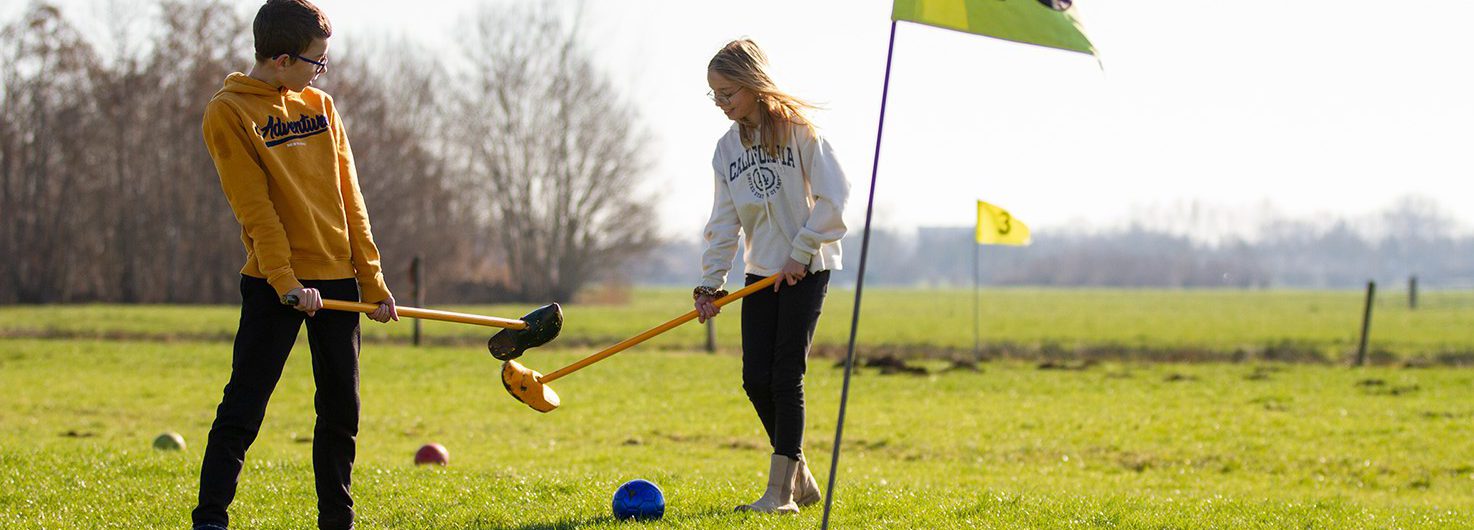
45, 154
554, 154
196, 250
526, 176
126, 213
395, 125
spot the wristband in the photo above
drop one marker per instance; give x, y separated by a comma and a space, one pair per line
707, 291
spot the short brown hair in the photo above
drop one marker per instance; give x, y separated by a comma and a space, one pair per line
288, 27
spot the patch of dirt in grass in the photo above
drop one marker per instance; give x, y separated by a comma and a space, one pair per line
1281, 351
1067, 365
1135, 461
887, 365
1379, 356
1262, 372
677, 437
1443, 415
1399, 390
1142, 462
1454, 358
963, 366
1290, 351
1379, 387
1271, 403
114, 335
741, 444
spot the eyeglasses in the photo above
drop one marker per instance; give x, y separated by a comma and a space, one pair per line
321, 65
722, 99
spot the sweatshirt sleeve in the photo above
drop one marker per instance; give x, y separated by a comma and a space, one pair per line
244, 183
721, 234
367, 270
831, 189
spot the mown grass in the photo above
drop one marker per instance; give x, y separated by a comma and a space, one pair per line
1109, 445
1204, 325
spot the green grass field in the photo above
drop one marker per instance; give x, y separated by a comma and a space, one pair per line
1110, 444
1016, 323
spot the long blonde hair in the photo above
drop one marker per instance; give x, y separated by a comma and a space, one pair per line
745, 64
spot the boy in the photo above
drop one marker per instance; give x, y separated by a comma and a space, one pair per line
287, 171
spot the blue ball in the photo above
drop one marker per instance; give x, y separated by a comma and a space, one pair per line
639, 499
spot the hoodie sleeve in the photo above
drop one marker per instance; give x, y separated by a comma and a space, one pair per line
367, 270
831, 189
244, 183
722, 231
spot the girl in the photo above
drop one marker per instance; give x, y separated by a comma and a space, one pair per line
779, 184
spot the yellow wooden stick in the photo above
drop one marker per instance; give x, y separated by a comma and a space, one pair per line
627, 343
428, 314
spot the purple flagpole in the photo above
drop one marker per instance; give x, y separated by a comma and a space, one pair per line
849, 363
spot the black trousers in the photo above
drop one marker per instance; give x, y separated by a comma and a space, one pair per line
777, 330
267, 332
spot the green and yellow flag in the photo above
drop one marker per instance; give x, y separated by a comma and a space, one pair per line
1049, 23
997, 227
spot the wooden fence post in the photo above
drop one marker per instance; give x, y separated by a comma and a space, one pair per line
711, 335
1412, 292
1366, 324
417, 278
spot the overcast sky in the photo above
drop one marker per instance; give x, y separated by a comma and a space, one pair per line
1315, 108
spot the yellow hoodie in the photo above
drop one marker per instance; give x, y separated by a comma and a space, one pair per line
287, 170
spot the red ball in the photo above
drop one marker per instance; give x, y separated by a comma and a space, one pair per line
432, 454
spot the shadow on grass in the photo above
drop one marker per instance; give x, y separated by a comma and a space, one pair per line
572, 522
581, 522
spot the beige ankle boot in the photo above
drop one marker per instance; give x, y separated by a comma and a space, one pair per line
779, 497
805, 488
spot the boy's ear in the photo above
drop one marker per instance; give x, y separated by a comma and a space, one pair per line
280, 61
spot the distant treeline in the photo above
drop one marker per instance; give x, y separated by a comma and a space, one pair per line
512, 164
1412, 237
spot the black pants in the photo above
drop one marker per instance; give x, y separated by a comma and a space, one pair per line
267, 332
777, 330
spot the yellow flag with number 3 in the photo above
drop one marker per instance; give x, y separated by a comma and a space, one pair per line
998, 227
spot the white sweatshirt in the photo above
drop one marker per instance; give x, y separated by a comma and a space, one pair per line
769, 200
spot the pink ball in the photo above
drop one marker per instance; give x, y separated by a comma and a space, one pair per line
432, 454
